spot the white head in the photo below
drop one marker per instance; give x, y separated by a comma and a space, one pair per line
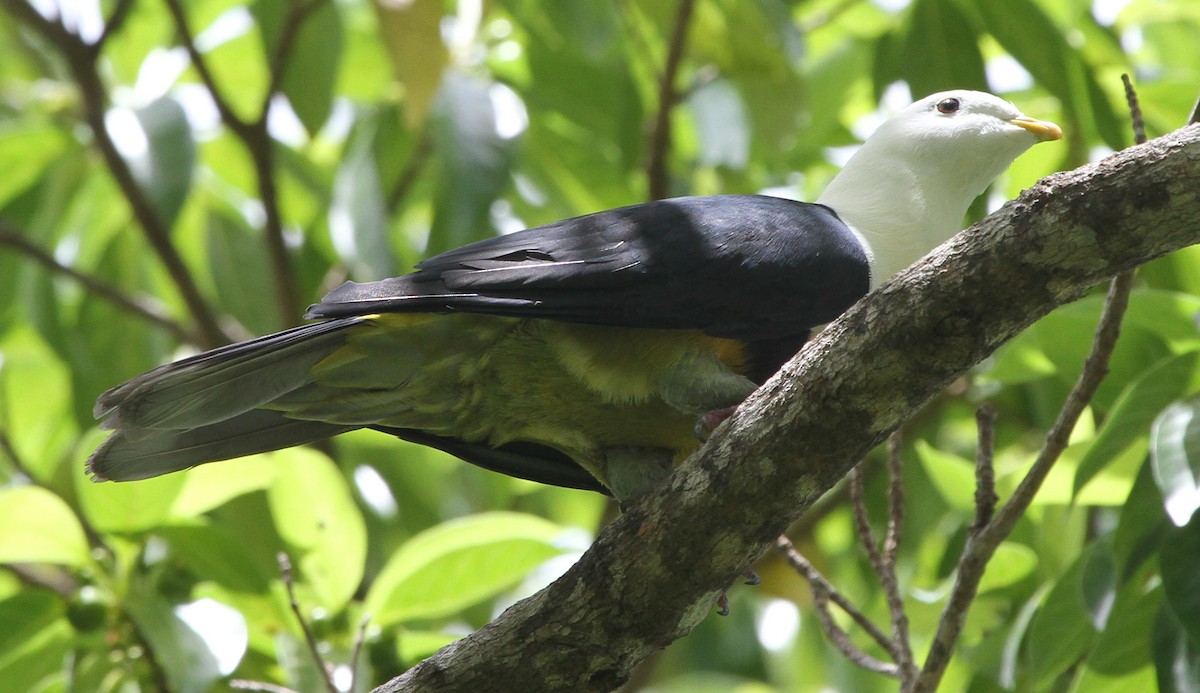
908, 187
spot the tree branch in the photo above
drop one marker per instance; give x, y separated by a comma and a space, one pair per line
823, 593
81, 57
256, 138
668, 96
142, 306
655, 572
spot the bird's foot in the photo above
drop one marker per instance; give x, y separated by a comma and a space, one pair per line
752, 579
708, 423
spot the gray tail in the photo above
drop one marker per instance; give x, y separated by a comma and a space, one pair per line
208, 407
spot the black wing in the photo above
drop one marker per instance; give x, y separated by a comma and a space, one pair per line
737, 266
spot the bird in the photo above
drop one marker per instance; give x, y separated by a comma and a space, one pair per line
583, 352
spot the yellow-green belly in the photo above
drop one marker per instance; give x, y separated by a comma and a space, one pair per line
581, 389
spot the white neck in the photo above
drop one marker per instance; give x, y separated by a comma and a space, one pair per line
904, 203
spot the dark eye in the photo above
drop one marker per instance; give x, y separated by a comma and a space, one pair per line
948, 106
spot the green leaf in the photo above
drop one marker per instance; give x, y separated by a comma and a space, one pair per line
1176, 656
1124, 644
1026, 32
214, 552
24, 155
1179, 563
211, 485
358, 218
23, 615
473, 157
1142, 524
459, 563
1011, 564
185, 658
135, 506
107, 334
412, 34
723, 124
39, 527
415, 645
311, 69
35, 402
315, 514
301, 673
237, 259
941, 49
1061, 630
165, 170
953, 476
34, 662
1099, 582
1130, 419
1175, 459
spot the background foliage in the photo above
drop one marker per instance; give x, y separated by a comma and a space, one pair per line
142, 218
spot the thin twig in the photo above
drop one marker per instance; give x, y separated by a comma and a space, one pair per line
823, 593
981, 544
668, 96
141, 306
983, 539
887, 565
416, 163
824, 18
188, 40
985, 473
299, 11
360, 638
82, 57
95, 540
258, 140
115, 22
285, 572
891, 540
244, 685
862, 524
1137, 122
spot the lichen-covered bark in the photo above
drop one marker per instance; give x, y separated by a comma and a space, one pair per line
656, 571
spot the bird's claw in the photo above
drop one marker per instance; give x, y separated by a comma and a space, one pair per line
708, 423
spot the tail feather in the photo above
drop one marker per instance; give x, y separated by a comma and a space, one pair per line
210, 407
131, 454
218, 384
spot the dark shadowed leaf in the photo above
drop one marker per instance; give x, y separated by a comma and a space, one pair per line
311, 69
473, 156
1176, 656
188, 663
358, 219
1099, 582
1179, 561
941, 49
214, 552
34, 640
1124, 644
165, 170
1141, 525
241, 271
1061, 630
1130, 419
